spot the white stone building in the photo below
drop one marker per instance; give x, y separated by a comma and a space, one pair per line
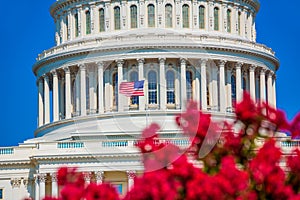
204, 50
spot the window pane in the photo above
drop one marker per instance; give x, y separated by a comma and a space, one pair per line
152, 87
76, 25
201, 17
216, 19
170, 87
117, 18
189, 86
229, 21
233, 88
88, 22
185, 16
115, 88
168, 16
239, 23
151, 16
133, 16
101, 20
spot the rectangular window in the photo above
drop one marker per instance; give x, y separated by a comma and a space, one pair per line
151, 16
133, 16
185, 16
117, 18
229, 21
76, 26
201, 17
216, 19
168, 16
101, 20
88, 22
1, 193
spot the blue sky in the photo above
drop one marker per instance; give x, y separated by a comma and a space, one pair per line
27, 29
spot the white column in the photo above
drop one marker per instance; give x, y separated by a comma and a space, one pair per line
252, 82
263, 85
54, 185
120, 79
228, 89
131, 175
142, 99
42, 178
99, 177
67, 93
41, 101
162, 83
270, 88
46, 99
274, 90
222, 86
100, 87
82, 90
87, 177
196, 95
55, 96
238, 78
203, 85
183, 83
37, 186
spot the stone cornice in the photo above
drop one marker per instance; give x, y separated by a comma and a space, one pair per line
83, 52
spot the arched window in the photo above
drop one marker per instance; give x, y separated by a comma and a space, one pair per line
185, 16
152, 87
239, 23
88, 22
101, 20
170, 87
189, 85
229, 21
216, 18
244, 84
169, 16
233, 88
117, 18
151, 15
133, 16
115, 88
201, 17
134, 77
76, 25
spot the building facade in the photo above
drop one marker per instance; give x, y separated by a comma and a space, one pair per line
202, 50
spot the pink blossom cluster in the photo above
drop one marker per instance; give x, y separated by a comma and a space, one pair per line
236, 167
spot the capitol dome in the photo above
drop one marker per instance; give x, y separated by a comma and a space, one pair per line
182, 50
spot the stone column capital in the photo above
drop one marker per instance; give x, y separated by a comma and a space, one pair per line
82, 67
120, 62
238, 65
99, 175
53, 72
100, 64
263, 70
203, 61
87, 176
221, 63
15, 182
252, 68
67, 70
42, 178
45, 77
183, 61
162, 60
131, 174
140, 60
54, 177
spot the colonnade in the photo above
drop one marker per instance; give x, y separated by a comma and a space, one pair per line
92, 88
46, 184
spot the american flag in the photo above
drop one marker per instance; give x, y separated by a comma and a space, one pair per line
130, 89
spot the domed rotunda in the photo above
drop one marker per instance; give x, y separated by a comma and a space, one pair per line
179, 50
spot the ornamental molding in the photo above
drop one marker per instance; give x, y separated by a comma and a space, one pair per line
82, 52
